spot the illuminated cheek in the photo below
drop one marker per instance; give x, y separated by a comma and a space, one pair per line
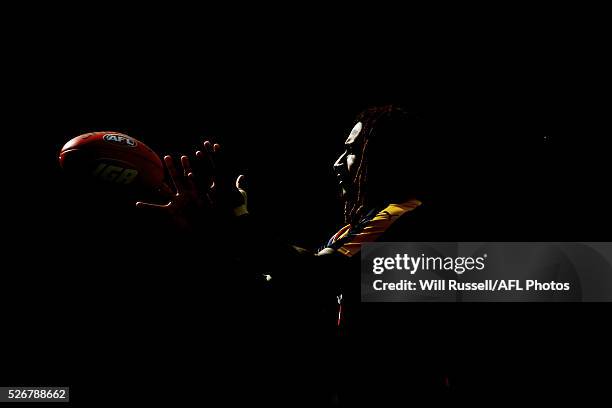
351, 164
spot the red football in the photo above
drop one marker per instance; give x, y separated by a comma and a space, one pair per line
113, 158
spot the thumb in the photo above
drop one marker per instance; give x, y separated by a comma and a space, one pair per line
240, 183
242, 208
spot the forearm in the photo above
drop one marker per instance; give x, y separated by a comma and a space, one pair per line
282, 263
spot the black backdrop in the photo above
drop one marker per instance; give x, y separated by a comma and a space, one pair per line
532, 166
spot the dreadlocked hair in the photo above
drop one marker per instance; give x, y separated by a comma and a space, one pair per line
359, 203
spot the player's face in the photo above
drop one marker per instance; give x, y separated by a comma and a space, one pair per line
346, 165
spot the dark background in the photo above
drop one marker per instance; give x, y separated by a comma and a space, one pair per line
82, 308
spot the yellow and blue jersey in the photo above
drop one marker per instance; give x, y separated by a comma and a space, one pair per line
347, 241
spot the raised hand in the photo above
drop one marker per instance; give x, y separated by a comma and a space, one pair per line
197, 194
226, 195
187, 200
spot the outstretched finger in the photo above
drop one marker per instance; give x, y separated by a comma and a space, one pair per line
206, 158
205, 169
207, 153
208, 146
221, 173
153, 207
173, 174
186, 165
189, 176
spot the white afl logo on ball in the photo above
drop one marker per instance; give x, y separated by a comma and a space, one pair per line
120, 139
